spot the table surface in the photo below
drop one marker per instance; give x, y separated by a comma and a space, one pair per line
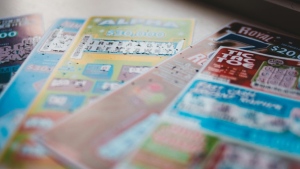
208, 18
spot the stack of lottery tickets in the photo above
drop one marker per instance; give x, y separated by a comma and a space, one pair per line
133, 93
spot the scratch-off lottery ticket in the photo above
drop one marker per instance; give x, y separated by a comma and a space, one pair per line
172, 143
235, 108
144, 98
18, 36
177, 144
272, 75
32, 74
106, 52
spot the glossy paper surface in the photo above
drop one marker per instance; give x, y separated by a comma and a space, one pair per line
271, 75
32, 75
106, 52
172, 145
144, 97
176, 143
236, 108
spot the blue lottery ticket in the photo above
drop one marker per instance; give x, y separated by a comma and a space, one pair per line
28, 81
246, 115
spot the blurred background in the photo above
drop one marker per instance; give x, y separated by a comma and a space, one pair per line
210, 15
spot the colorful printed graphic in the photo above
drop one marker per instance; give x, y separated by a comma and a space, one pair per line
171, 145
18, 36
37, 68
32, 75
111, 50
93, 64
176, 143
274, 75
248, 115
149, 93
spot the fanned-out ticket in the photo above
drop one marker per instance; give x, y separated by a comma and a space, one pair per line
32, 74
106, 52
227, 98
112, 124
18, 36
176, 144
